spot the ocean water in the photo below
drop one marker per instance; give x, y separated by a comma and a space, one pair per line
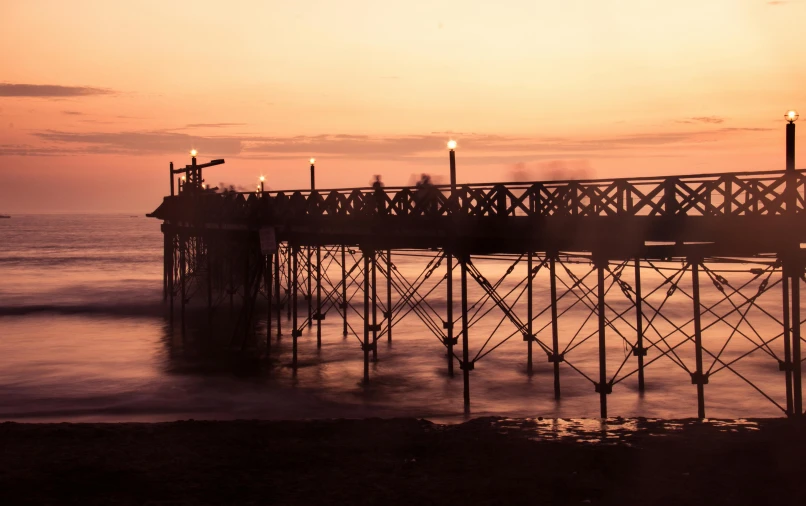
85, 336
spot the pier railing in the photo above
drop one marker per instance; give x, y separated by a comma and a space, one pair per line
728, 194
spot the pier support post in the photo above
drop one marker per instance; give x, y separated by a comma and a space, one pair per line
309, 293
449, 313
279, 308
171, 280
290, 278
466, 365
388, 314
555, 333
698, 378
797, 401
231, 289
374, 307
639, 350
318, 296
182, 276
529, 330
166, 255
787, 364
268, 304
209, 263
367, 344
294, 282
248, 303
344, 288
603, 387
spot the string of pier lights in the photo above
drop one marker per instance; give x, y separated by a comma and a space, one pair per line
452, 156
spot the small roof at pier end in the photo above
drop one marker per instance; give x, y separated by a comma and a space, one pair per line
164, 210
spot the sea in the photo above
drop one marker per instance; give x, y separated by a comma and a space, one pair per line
86, 335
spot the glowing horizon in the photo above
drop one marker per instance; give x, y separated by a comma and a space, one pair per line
527, 89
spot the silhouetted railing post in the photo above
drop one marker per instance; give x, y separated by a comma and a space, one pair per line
728, 204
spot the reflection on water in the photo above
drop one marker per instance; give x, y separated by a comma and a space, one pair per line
89, 340
611, 430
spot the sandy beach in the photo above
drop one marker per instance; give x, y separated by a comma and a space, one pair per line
403, 461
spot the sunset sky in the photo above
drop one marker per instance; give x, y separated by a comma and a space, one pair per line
97, 97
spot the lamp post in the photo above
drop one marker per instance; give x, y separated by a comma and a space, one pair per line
452, 155
791, 117
262, 179
313, 174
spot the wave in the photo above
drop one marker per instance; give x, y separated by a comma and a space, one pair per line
62, 260
102, 309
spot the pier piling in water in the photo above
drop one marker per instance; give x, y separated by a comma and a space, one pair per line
580, 231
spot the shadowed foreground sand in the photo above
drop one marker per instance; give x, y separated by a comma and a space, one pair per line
405, 461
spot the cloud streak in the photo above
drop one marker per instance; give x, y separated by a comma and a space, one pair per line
49, 90
143, 142
366, 147
213, 125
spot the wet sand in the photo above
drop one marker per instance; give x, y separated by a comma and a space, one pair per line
405, 461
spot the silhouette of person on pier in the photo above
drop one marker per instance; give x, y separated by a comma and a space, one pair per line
380, 197
425, 195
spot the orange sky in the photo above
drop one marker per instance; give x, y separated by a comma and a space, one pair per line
97, 98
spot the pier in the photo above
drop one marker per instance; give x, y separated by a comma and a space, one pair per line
616, 250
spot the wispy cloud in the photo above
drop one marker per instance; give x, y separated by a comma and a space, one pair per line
714, 120
143, 142
49, 90
213, 125
709, 119
405, 147
27, 150
777, 2
73, 113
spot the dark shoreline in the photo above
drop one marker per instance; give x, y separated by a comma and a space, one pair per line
404, 461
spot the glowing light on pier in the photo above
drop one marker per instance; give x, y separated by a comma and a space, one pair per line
791, 116
451, 144
312, 160
193, 153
